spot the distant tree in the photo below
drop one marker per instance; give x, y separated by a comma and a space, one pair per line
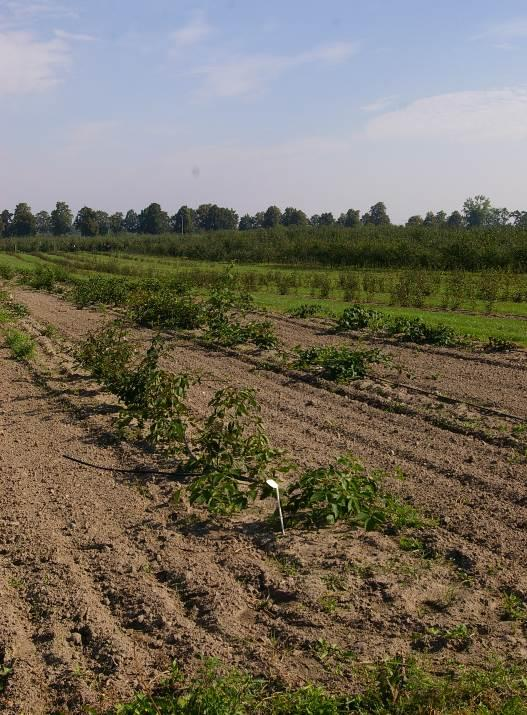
455, 220
350, 219
259, 218
477, 211
153, 220
183, 220
327, 219
23, 223
519, 219
86, 222
247, 223
272, 217
61, 219
415, 221
440, 218
430, 219
498, 217
211, 217
43, 222
376, 216
131, 222
315, 220
117, 222
294, 217
103, 223
5, 222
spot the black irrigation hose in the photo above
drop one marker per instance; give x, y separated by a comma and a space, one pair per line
125, 471
144, 471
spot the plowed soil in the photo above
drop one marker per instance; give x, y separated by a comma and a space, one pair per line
104, 581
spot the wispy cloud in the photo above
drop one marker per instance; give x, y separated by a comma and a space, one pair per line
28, 64
245, 74
23, 10
74, 36
195, 31
464, 116
379, 105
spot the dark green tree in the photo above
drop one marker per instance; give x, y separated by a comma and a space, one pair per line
415, 220
430, 219
183, 220
477, 211
440, 218
86, 222
23, 223
272, 217
376, 216
153, 220
247, 223
211, 217
103, 223
327, 219
5, 222
350, 219
61, 219
131, 222
43, 222
294, 217
455, 220
117, 222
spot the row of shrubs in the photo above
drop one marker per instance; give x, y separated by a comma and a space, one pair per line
226, 455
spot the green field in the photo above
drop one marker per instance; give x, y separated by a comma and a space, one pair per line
485, 304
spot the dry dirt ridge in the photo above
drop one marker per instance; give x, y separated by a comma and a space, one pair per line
103, 581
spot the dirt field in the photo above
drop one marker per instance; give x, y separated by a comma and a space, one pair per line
103, 582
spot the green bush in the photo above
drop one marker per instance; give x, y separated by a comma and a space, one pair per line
21, 345
164, 308
358, 318
306, 310
338, 364
100, 290
231, 450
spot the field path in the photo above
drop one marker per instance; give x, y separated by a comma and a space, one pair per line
105, 582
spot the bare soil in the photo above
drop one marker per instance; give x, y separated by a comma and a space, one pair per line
104, 581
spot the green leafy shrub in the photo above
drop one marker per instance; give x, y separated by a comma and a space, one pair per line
164, 308
21, 345
338, 364
45, 277
343, 491
496, 344
357, 318
100, 290
107, 355
154, 401
306, 310
416, 330
232, 449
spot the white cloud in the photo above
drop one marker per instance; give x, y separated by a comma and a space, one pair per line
191, 34
23, 10
378, 105
73, 36
244, 74
499, 115
30, 65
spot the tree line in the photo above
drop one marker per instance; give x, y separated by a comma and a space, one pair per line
477, 212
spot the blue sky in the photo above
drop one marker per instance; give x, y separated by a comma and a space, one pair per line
321, 105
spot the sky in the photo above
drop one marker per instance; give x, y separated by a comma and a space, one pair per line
323, 106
